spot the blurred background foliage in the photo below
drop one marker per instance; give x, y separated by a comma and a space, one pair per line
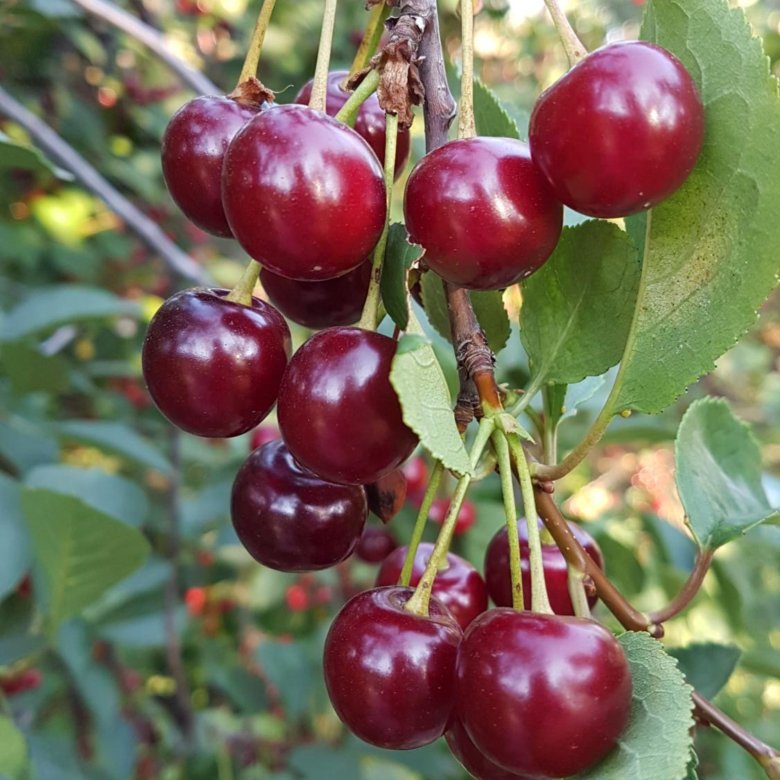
76, 291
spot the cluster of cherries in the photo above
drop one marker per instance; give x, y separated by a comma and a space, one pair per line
517, 694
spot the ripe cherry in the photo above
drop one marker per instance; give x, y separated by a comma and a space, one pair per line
338, 412
303, 194
212, 366
375, 545
467, 515
556, 575
370, 122
290, 520
620, 132
262, 435
416, 473
459, 587
390, 674
471, 759
27, 680
336, 301
540, 694
193, 148
483, 213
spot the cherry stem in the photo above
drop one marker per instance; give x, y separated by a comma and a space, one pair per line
319, 90
371, 38
349, 111
466, 123
510, 510
419, 525
573, 46
549, 430
579, 599
369, 319
418, 603
242, 292
539, 599
688, 591
252, 59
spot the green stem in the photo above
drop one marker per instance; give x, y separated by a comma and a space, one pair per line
510, 510
573, 46
418, 603
466, 123
539, 600
369, 319
419, 525
371, 38
242, 292
549, 431
319, 90
579, 598
522, 403
252, 59
349, 111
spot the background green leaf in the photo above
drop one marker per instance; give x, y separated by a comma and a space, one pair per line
13, 748
491, 117
16, 156
14, 539
707, 666
399, 256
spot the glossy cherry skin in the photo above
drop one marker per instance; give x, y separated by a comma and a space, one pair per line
193, 148
290, 520
338, 411
213, 367
540, 694
375, 545
370, 122
475, 763
303, 194
390, 674
467, 515
620, 132
317, 305
483, 213
556, 575
459, 587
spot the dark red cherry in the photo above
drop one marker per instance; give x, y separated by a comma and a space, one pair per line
475, 763
542, 695
483, 213
370, 122
390, 674
193, 148
556, 575
303, 194
620, 132
338, 412
387, 495
416, 473
336, 301
467, 515
375, 545
262, 435
213, 367
459, 587
290, 520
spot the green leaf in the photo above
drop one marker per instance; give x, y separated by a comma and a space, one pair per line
707, 666
425, 400
14, 539
719, 474
710, 255
117, 438
399, 256
116, 496
488, 306
79, 551
18, 156
13, 748
577, 307
657, 741
491, 117
47, 308
289, 667
316, 762
31, 371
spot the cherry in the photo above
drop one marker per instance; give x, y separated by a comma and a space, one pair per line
375, 545
290, 520
416, 473
483, 213
459, 587
304, 194
336, 301
386, 496
193, 148
370, 122
467, 515
469, 756
262, 435
213, 367
620, 132
542, 695
338, 411
27, 680
390, 674
556, 577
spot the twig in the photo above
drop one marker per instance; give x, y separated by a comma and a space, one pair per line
153, 40
66, 156
688, 591
575, 51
